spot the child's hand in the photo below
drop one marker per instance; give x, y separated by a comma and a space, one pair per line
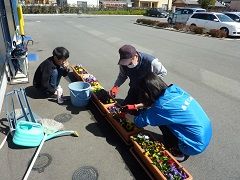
66, 64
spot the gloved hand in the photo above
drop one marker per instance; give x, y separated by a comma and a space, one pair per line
113, 92
129, 107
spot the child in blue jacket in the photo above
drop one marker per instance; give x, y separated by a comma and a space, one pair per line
185, 126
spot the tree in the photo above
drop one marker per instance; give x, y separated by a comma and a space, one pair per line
206, 3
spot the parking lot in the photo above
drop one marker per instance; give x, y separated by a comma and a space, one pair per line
208, 68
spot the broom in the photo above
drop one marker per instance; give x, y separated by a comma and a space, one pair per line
51, 129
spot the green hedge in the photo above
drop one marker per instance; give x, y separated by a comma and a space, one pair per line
76, 10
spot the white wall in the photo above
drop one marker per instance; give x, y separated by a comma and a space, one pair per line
3, 86
90, 3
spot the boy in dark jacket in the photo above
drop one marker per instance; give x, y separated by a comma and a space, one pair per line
50, 71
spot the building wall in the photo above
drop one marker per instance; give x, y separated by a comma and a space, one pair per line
90, 3
235, 5
155, 4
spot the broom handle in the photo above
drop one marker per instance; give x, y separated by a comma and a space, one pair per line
34, 158
4, 140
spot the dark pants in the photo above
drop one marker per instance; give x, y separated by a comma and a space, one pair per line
56, 77
169, 139
16, 65
54, 81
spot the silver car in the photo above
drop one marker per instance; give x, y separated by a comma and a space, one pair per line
181, 15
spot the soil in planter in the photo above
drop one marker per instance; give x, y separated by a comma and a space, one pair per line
104, 97
120, 117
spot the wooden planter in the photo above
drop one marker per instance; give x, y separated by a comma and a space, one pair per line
101, 105
154, 169
117, 126
76, 74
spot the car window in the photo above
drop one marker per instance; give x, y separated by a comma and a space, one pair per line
178, 12
211, 17
224, 18
200, 16
232, 16
185, 11
190, 11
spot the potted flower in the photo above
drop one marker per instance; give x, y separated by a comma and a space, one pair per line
158, 160
123, 126
78, 71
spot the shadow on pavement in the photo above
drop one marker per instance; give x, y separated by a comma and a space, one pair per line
4, 126
102, 128
11, 145
33, 93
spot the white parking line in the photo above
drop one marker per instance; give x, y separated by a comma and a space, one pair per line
221, 83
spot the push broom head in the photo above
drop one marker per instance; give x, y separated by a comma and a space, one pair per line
51, 126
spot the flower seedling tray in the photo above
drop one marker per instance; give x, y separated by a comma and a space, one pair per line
124, 128
161, 159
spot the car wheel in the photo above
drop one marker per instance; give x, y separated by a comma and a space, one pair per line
192, 27
225, 30
169, 20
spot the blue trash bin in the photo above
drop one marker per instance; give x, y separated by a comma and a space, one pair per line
80, 93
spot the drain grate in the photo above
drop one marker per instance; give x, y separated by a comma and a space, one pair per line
85, 173
43, 160
64, 117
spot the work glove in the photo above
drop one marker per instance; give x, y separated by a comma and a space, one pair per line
129, 107
113, 92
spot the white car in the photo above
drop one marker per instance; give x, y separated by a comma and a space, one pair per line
213, 20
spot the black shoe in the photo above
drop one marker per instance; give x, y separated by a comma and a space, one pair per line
178, 155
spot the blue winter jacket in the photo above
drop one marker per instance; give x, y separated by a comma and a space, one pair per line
183, 115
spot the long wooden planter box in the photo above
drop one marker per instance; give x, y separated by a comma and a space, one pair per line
100, 104
76, 74
152, 168
122, 131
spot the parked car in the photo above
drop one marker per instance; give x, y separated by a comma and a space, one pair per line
181, 15
158, 12
213, 20
233, 15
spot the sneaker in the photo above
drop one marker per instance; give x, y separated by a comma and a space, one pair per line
178, 155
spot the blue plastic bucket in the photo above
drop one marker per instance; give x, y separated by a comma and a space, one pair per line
80, 93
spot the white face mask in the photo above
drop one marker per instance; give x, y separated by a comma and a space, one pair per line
132, 65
